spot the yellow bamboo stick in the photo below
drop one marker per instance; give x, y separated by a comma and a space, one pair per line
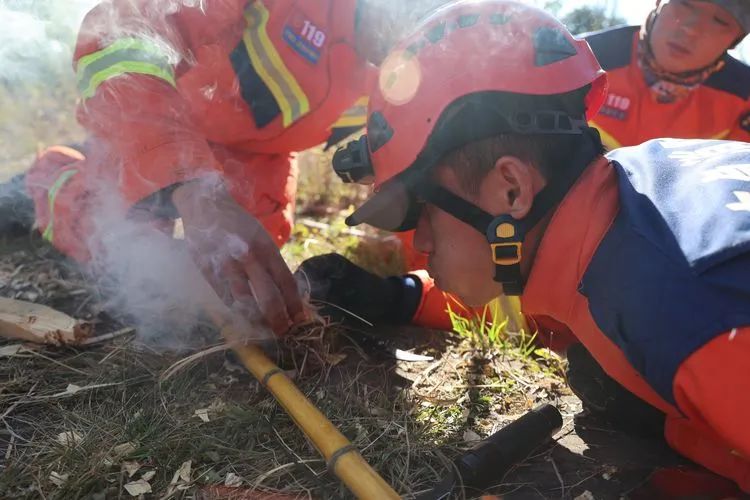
340, 455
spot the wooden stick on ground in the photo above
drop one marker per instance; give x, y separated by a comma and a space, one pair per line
40, 324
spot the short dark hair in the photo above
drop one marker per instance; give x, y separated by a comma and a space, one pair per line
547, 153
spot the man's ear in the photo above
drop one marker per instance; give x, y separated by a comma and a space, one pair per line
510, 187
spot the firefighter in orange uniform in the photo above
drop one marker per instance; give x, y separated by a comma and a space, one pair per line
509, 192
192, 109
673, 77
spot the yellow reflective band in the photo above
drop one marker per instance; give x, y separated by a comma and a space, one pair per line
607, 139
356, 116
48, 233
126, 55
268, 64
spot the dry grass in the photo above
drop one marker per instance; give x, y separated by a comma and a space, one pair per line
407, 418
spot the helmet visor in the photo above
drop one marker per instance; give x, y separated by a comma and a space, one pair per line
394, 207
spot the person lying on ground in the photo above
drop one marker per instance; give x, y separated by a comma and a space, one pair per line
643, 254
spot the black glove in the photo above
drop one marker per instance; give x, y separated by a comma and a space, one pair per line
605, 399
337, 285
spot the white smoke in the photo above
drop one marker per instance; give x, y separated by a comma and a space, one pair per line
37, 37
147, 277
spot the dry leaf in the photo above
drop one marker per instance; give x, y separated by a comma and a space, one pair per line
72, 388
412, 357
202, 414
148, 476
131, 467
124, 449
58, 479
232, 480
465, 415
334, 358
470, 436
182, 474
586, 495
69, 438
137, 488
184, 471
11, 350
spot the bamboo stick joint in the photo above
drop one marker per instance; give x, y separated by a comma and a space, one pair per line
338, 454
269, 374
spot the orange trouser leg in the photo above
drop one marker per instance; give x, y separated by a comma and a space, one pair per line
265, 185
70, 213
56, 183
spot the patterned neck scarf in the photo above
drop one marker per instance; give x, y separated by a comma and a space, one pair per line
665, 86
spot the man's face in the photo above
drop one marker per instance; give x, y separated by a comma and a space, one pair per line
692, 34
459, 256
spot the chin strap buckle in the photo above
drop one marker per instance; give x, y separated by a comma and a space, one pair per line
506, 241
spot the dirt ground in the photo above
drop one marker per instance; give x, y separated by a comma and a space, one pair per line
86, 423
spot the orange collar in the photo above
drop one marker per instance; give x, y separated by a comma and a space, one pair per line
570, 240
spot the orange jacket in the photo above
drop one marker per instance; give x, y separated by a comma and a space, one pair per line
707, 420
718, 109
171, 90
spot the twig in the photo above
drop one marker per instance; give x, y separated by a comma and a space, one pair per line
10, 409
363, 320
477, 386
273, 471
107, 336
426, 372
110, 354
559, 477
13, 406
185, 362
67, 393
289, 450
10, 447
81, 372
83, 304
15, 273
574, 486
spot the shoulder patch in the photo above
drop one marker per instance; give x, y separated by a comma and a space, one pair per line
613, 47
304, 36
734, 78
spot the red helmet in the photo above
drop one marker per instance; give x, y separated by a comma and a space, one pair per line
472, 70
468, 47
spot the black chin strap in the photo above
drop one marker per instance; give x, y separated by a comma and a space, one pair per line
504, 233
